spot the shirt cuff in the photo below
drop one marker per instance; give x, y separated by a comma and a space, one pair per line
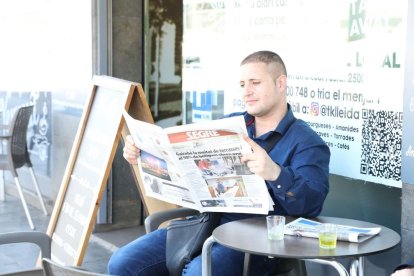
283, 183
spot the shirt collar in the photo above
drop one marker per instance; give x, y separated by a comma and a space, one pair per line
283, 125
287, 120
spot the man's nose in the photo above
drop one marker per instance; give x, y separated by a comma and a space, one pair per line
247, 90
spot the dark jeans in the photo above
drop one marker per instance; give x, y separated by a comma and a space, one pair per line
146, 256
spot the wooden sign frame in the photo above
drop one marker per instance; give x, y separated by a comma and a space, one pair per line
84, 181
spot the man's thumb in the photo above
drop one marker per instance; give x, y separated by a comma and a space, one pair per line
251, 143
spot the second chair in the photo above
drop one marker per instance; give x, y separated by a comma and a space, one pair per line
17, 155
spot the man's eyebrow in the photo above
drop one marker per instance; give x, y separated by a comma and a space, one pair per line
250, 80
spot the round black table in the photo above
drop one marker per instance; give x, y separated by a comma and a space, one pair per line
250, 237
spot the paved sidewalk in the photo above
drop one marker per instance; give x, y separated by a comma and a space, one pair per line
19, 256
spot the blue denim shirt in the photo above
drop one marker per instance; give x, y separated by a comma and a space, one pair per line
303, 157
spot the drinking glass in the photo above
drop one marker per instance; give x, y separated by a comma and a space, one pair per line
275, 227
327, 235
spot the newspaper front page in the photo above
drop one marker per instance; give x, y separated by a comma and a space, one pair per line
198, 166
309, 228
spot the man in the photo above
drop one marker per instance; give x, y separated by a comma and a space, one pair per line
220, 188
295, 166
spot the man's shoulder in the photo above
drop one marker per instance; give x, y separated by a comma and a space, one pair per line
307, 132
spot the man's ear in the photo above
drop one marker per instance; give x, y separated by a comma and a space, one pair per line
282, 82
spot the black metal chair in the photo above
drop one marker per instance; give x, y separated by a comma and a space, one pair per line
16, 154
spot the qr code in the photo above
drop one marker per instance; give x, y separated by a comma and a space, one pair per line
381, 144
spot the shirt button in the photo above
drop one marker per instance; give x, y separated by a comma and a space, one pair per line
278, 186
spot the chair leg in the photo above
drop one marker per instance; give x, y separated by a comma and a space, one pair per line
39, 195
26, 210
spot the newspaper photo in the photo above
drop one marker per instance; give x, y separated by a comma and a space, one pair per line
309, 228
198, 166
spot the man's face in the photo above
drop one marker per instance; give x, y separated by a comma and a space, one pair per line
263, 91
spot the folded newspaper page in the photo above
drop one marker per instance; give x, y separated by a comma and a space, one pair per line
198, 166
309, 228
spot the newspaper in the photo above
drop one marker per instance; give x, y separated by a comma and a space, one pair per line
309, 228
198, 166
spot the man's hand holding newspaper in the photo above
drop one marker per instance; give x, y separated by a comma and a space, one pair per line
199, 166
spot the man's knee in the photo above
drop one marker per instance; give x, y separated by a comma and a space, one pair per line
116, 264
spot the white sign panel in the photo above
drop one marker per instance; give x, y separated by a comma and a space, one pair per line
345, 63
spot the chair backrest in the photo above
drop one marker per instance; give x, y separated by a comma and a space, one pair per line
51, 268
18, 132
42, 240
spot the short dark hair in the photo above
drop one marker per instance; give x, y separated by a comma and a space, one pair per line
266, 57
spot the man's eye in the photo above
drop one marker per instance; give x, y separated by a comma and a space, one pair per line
241, 85
256, 82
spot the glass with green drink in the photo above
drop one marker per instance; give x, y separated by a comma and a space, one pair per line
327, 235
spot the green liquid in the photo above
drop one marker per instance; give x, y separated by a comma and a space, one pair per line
327, 240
